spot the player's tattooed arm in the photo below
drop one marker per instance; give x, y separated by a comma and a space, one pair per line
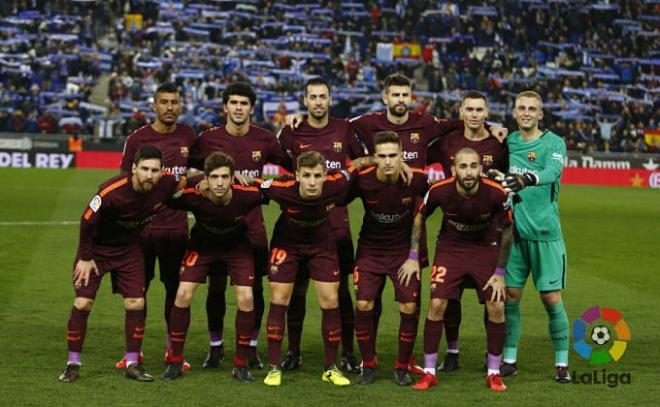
363, 162
411, 266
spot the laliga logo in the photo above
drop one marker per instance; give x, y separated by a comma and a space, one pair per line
601, 335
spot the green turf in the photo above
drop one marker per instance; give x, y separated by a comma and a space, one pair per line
611, 234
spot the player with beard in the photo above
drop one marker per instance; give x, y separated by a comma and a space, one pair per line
334, 139
494, 155
166, 236
109, 243
474, 242
251, 147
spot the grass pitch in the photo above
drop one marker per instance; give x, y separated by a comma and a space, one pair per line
611, 236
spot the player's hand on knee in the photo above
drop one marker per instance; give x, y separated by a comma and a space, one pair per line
82, 272
409, 268
497, 282
516, 182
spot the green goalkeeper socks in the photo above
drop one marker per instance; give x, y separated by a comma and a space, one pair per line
558, 326
513, 324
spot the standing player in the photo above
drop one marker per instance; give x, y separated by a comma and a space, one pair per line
334, 139
494, 155
165, 238
537, 159
109, 243
474, 211
303, 235
219, 237
251, 147
383, 246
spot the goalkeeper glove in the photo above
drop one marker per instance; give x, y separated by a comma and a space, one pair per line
516, 182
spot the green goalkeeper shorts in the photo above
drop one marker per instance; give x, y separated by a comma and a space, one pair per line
546, 261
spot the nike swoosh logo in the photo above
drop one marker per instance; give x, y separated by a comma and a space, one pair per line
173, 333
293, 211
451, 214
553, 282
251, 277
372, 202
335, 273
305, 146
335, 332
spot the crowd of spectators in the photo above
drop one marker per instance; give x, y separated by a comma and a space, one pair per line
595, 64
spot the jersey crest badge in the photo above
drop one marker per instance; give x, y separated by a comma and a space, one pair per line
487, 160
531, 156
338, 146
256, 156
414, 138
184, 151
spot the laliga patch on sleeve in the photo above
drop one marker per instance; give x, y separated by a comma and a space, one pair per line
266, 184
95, 204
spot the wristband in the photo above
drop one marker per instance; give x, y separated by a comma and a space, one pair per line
499, 271
413, 255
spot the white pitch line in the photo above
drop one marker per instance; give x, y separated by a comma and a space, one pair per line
40, 223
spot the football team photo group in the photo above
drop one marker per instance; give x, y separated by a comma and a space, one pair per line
499, 226
329, 203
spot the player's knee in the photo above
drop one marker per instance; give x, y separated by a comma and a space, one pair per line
134, 304
244, 299
437, 309
495, 311
83, 304
408, 307
280, 296
551, 298
364, 305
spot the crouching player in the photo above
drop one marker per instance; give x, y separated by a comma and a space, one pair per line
302, 235
383, 246
109, 243
474, 241
219, 241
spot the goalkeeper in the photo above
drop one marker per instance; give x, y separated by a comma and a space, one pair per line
536, 160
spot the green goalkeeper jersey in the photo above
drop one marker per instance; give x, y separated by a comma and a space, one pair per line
537, 216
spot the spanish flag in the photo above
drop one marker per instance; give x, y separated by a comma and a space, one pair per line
652, 138
407, 50
133, 22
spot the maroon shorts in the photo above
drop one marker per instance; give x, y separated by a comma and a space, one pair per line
259, 240
371, 271
168, 245
126, 268
451, 269
341, 231
320, 261
235, 260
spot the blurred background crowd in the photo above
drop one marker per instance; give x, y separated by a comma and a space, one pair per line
90, 67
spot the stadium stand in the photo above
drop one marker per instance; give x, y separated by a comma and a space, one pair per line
595, 64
